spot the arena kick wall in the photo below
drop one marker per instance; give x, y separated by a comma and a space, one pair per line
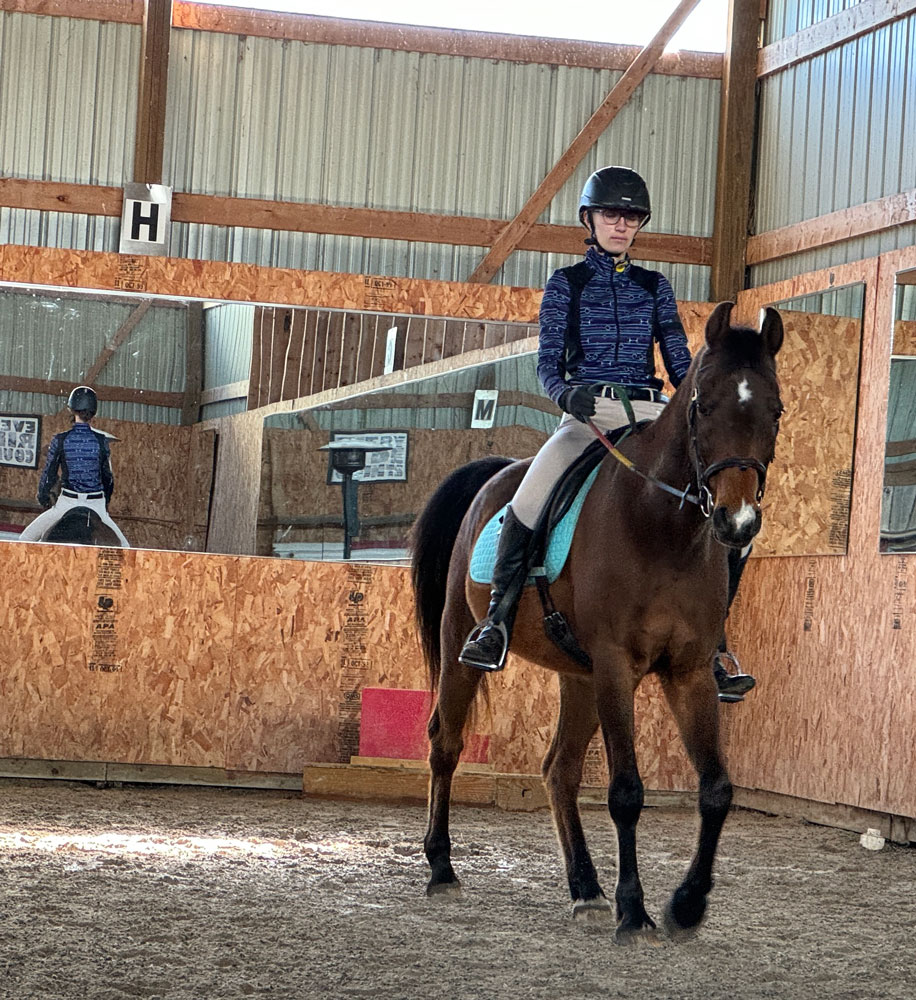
250, 667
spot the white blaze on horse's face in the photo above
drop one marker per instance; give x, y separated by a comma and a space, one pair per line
744, 392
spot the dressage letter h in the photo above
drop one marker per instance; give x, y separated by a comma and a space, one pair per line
151, 221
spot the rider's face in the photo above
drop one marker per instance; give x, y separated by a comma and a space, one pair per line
614, 237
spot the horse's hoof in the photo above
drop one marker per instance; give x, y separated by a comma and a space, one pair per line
450, 890
630, 936
636, 930
683, 916
592, 911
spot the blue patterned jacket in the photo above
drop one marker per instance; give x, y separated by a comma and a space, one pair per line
619, 319
82, 459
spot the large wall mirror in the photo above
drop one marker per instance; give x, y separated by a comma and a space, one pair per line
172, 375
898, 508
402, 441
819, 374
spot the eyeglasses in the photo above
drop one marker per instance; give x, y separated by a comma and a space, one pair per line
613, 215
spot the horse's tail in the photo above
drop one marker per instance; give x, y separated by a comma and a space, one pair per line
432, 539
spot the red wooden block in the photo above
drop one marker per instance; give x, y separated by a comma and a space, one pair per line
393, 724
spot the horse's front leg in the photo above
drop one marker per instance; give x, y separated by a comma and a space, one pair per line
562, 770
615, 686
695, 706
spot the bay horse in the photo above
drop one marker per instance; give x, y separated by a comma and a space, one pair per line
644, 589
82, 526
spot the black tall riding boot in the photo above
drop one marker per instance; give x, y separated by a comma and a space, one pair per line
732, 683
487, 645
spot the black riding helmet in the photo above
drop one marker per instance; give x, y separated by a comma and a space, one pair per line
83, 400
615, 187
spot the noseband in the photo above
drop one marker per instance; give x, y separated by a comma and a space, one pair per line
705, 473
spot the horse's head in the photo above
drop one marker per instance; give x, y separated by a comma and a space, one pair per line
733, 421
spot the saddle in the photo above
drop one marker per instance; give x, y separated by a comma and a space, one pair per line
551, 539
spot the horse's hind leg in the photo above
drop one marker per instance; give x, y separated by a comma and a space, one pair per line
562, 772
457, 688
695, 706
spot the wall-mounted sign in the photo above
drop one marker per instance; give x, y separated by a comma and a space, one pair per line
381, 466
20, 439
484, 412
145, 219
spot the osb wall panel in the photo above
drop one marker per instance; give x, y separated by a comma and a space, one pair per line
250, 283
904, 337
162, 479
831, 639
241, 663
115, 654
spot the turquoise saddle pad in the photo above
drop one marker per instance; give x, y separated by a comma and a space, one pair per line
483, 557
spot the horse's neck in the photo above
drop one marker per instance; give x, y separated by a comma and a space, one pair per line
664, 446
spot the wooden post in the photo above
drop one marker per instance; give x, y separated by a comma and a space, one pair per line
194, 364
737, 121
153, 84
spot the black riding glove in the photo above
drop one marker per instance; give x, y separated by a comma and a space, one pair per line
579, 402
44, 500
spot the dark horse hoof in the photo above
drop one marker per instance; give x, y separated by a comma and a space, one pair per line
447, 889
684, 914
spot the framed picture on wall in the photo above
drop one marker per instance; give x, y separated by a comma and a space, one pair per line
20, 440
385, 466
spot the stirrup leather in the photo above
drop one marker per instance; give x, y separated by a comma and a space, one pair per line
474, 635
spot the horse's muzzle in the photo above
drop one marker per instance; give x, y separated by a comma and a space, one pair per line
736, 529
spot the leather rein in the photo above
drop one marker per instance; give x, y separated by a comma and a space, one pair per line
703, 497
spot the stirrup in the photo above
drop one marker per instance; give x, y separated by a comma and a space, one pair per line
732, 687
467, 655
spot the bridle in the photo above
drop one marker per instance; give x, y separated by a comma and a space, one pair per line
705, 472
703, 498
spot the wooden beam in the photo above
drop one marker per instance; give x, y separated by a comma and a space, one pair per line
119, 11
380, 35
510, 237
437, 41
846, 224
107, 393
219, 394
860, 19
153, 85
418, 227
121, 334
737, 121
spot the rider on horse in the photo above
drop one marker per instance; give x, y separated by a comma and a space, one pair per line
598, 322
81, 459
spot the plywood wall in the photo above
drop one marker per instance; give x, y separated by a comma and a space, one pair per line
234, 662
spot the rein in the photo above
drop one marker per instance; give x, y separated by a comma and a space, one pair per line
703, 498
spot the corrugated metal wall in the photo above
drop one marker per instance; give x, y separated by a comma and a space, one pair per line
68, 110
256, 117
835, 131
59, 335
786, 17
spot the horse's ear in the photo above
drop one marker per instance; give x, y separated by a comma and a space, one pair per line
771, 329
718, 324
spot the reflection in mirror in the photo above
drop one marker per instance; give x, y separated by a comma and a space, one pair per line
427, 427
135, 352
898, 507
825, 329
173, 374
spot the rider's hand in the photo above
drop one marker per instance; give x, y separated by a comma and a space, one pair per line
44, 500
579, 402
